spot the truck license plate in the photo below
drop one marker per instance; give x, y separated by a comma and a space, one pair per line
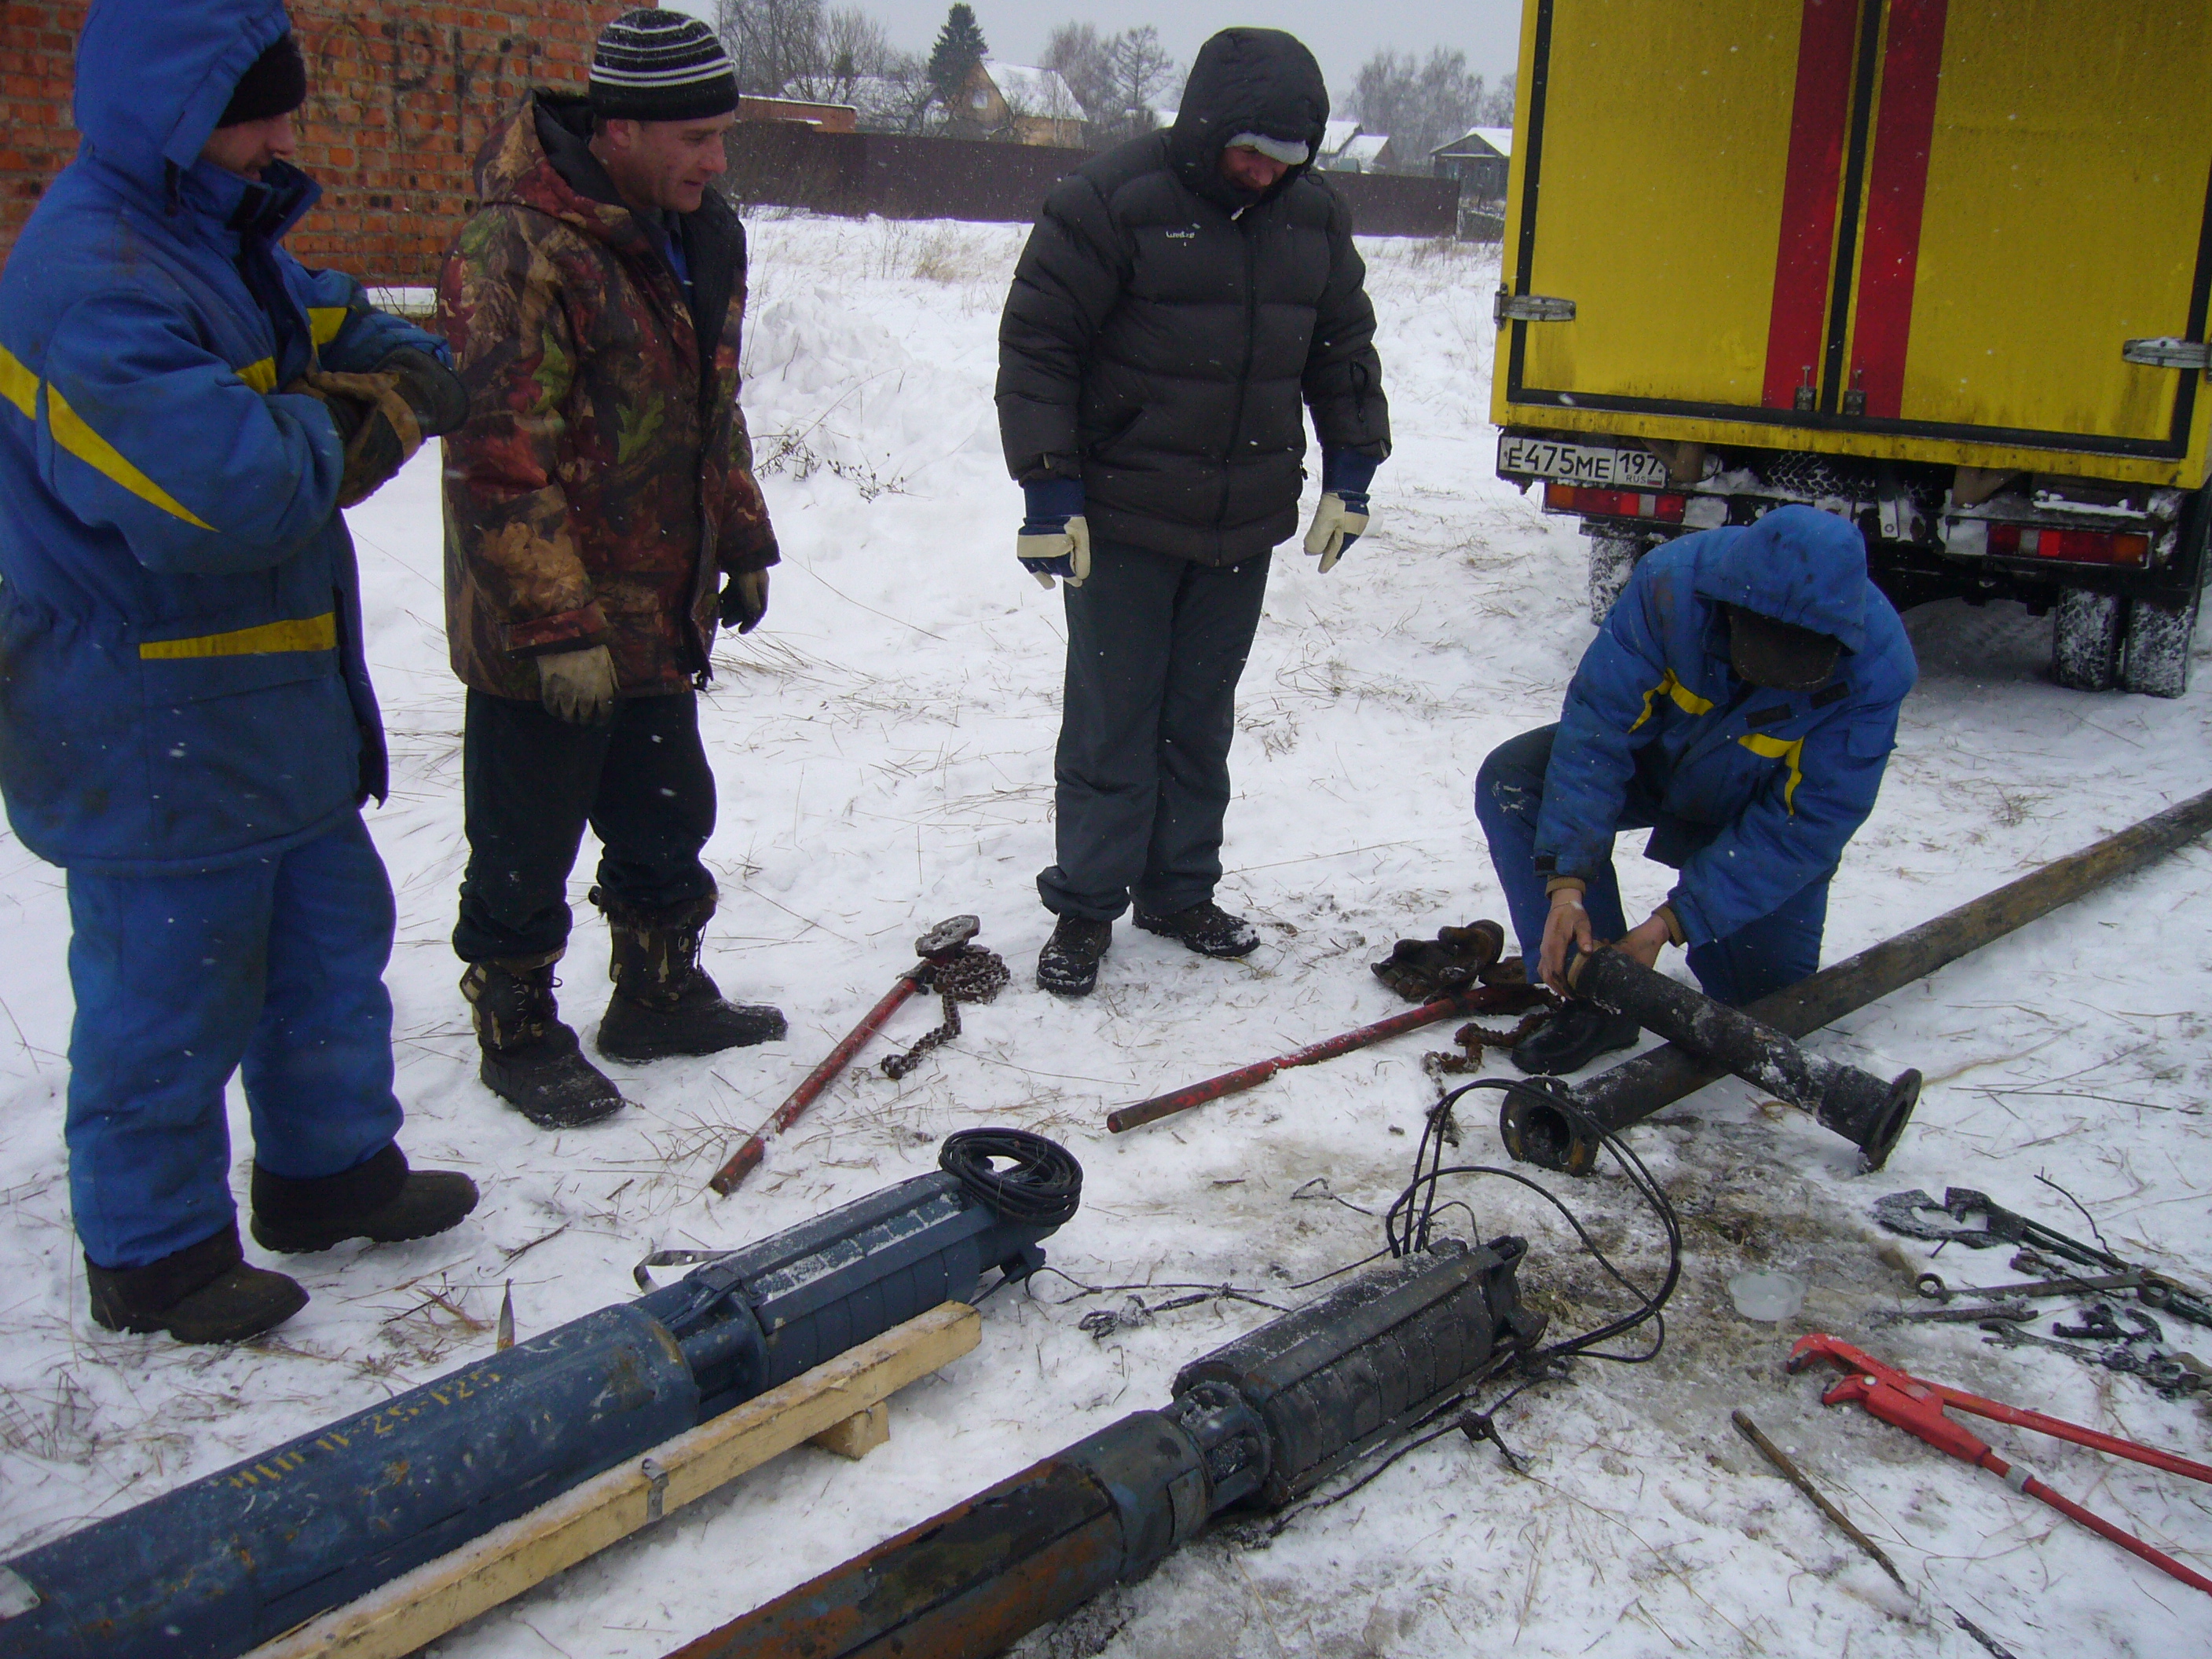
1583, 464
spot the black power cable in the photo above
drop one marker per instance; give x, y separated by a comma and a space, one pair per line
1042, 1187
1406, 1225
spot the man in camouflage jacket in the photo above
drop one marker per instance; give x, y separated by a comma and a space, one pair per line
595, 501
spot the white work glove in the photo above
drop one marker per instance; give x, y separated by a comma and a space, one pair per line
1065, 552
578, 686
1337, 523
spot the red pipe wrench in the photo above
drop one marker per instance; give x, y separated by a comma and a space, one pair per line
1899, 1398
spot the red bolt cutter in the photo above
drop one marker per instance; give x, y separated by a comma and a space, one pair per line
1900, 1398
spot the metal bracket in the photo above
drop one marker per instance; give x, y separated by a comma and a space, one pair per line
656, 1489
1530, 308
2167, 352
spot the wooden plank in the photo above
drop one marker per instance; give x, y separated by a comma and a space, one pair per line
399, 1617
858, 1434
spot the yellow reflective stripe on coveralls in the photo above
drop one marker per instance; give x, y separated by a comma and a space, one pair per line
324, 323
20, 387
304, 633
1685, 699
1792, 753
261, 376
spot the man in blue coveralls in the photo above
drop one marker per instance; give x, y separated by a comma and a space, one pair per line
187, 725
1740, 703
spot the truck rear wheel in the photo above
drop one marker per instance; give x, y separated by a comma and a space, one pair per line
2086, 635
2156, 661
1613, 556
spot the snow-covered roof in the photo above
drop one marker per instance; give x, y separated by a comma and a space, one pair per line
1336, 135
1033, 91
1499, 139
1365, 148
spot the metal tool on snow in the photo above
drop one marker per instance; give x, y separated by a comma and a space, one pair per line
1909, 1214
945, 949
1899, 1398
1478, 1000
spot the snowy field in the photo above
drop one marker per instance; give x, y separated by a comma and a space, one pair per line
884, 747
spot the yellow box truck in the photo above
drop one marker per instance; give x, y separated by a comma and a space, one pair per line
1938, 265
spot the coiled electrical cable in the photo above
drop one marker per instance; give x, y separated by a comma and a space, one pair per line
1042, 1188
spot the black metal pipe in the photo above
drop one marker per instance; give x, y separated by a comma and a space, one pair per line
1637, 1089
1857, 1105
1258, 1422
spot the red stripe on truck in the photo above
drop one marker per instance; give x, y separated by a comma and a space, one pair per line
1819, 114
1897, 187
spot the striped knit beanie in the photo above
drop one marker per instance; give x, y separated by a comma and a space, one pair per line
660, 66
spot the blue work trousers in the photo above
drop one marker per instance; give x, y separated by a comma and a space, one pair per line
1779, 950
277, 966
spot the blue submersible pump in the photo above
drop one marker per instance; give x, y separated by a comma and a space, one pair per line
218, 1566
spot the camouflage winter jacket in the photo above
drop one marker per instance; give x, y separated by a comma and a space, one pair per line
604, 482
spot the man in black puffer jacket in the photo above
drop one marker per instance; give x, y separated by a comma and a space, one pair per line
1181, 302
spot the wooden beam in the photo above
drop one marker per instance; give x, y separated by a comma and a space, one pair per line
858, 1434
395, 1619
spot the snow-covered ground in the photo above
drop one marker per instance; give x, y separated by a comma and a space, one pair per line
884, 747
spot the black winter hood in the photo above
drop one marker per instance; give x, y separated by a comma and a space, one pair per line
1261, 81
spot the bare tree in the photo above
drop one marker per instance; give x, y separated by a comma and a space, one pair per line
1140, 71
1498, 105
852, 47
1078, 55
774, 43
1421, 105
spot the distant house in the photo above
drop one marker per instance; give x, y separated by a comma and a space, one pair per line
1013, 101
822, 117
1347, 146
1480, 159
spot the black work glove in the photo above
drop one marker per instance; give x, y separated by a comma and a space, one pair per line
433, 391
744, 600
375, 423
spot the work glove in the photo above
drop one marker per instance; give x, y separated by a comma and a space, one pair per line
1055, 537
744, 600
578, 686
1342, 515
376, 425
432, 391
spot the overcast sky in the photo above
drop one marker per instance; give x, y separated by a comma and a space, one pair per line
1343, 35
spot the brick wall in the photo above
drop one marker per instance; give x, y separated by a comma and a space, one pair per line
401, 92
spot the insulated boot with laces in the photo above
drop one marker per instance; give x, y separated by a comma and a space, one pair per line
380, 1200
1206, 928
1574, 1036
1068, 964
204, 1292
665, 1003
531, 1059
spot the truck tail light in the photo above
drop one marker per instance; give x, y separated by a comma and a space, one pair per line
1612, 504
2075, 546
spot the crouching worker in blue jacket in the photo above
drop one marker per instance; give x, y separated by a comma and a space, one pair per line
1740, 703
186, 720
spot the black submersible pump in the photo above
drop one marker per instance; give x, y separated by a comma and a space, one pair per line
1258, 1423
213, 1568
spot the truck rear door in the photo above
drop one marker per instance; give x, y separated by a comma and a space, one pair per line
1915, 228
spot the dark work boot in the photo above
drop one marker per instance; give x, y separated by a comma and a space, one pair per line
1577, 1035
1206, 928
382, 1200
1068, 964
531, 1059
665, 1003
203, 1293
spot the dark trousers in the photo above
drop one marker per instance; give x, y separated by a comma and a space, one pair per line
273, 968
1155, 646
1777, 950
530, 783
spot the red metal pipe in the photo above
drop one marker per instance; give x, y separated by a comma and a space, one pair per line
1477, 1000
748, 1157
